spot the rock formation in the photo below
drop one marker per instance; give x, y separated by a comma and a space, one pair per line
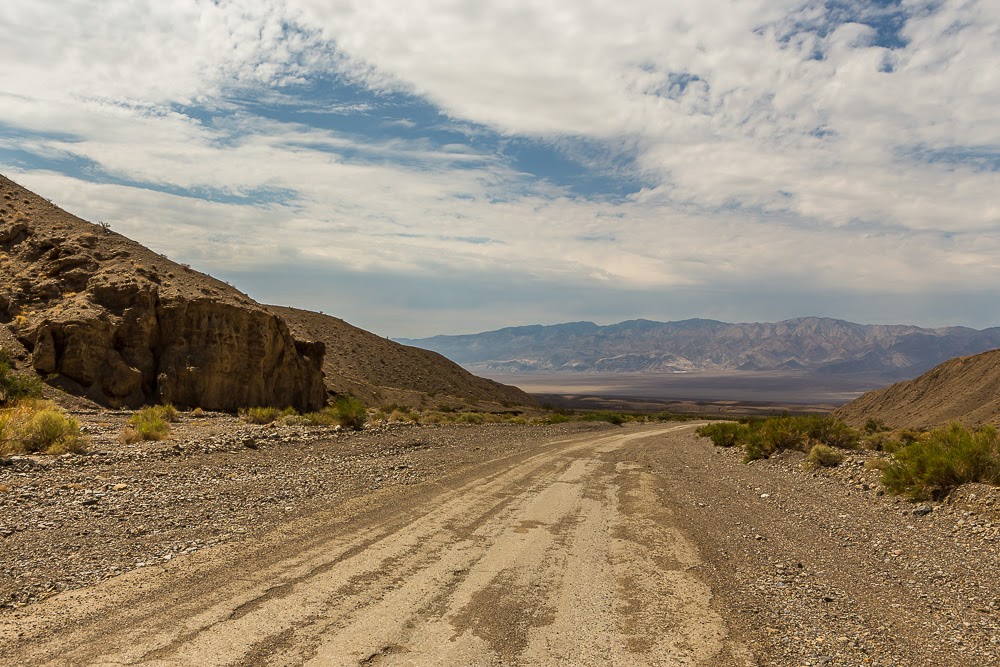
106, 318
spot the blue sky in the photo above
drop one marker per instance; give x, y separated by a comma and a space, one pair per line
450, 166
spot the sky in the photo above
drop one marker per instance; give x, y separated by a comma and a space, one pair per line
452, 166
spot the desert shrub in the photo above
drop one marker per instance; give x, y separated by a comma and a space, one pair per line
15, 386
166, 412
824, 456
150, 423
615, 418
38, 426
470, 418
831, 432
874, 425
760, 438
669, 417
945, 458
198, 412
260, 415
401, 415
351, 413
434, 417
558, 418
722, 434
778, 433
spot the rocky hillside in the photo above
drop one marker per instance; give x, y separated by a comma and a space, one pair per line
965, 390
380, 371
814, 344
106, 318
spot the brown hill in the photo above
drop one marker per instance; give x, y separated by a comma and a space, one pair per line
106, 318
381, 372
966, 390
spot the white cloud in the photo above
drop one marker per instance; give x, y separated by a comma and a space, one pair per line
765, 164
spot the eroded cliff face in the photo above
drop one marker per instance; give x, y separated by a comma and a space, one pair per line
105, 318
184, 352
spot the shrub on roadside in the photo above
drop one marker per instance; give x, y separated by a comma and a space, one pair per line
615, 418
260, 415
470, 418
760, 438
149, 424
934, 465
824, 456
15, 386
38, 426
722, 434
351, 413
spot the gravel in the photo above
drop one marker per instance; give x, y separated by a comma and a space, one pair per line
824, 568
71, 521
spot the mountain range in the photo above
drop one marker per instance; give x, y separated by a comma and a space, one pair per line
808, 344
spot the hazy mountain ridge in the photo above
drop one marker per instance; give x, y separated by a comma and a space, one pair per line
815, 344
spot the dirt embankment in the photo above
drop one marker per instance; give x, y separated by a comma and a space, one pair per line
965, 390
577, 544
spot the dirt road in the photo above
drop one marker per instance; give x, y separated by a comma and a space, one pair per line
632, 547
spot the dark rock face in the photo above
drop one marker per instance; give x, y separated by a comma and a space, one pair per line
106, 318
186, 352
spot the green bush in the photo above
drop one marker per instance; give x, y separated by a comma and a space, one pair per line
722, 434
669, 417
945, 458
824, 456
874, 425
615, 418
470, 418
150, 423
38, 426
351, 413
14, 386
558, 418
760, 438
260, 415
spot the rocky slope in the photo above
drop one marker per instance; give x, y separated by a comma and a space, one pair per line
814, 344
103, 317
965, 390
380, 372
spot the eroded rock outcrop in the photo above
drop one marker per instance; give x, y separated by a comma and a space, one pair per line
106, 318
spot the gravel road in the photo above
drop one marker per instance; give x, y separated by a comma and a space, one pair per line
505, 545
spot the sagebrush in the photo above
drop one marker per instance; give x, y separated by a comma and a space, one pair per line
930, 467
32, 426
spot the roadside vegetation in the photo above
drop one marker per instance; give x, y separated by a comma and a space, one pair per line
16, 386
350, 413
760, 438
932, 464
29, 425
922, 465
32, 426
150, 424
346, 412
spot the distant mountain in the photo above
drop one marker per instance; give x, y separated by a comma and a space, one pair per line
813, 344
381, 372
966, 390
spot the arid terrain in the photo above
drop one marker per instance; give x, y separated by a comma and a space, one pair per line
964, 390
493, 534
103, 317
573, 544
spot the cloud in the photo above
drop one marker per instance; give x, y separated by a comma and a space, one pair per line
717, 148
